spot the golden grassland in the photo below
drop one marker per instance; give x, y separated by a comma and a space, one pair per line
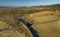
45, 24
45, 20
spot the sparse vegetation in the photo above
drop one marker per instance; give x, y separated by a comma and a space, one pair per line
34, 15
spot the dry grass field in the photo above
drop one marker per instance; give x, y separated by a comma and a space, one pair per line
45, 20
46, 24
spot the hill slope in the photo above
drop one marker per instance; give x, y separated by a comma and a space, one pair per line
45, 19
46, 23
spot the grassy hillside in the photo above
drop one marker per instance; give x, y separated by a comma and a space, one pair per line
46, 24
9, 33
45, 19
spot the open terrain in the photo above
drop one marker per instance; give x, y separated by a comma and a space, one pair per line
45, 21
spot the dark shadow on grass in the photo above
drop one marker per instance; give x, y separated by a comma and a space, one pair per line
28, 25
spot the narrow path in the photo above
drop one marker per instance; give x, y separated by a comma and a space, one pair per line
49, 21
